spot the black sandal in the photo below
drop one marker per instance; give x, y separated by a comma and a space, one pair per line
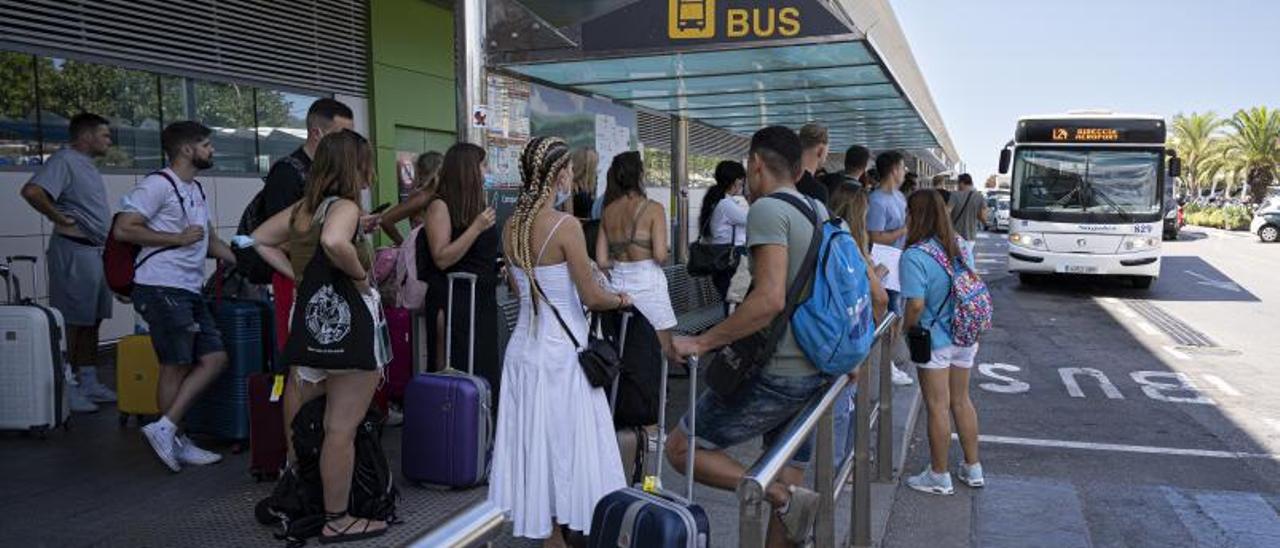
345, 534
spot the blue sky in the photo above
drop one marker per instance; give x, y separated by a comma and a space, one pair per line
988, 62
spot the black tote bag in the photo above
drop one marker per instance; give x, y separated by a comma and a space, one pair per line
331, 327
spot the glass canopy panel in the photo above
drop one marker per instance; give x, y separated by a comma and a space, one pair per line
675, 65
813, 79
866, 120
785, 109
751, 98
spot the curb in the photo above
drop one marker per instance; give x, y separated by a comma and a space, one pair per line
880, 519
1220, 232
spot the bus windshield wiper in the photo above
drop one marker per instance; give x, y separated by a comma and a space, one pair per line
1107, 199
1066, 199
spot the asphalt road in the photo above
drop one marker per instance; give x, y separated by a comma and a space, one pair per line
1113, 416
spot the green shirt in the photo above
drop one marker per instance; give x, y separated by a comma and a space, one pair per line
775, 222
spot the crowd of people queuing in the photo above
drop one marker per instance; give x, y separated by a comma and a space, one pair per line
569, 248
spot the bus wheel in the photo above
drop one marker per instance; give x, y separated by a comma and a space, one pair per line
1143, 282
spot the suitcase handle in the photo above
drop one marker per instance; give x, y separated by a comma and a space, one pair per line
15, 288
471, 334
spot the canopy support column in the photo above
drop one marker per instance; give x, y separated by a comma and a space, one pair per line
680, 186
469, 53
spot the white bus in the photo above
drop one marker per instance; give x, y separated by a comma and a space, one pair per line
1088, 195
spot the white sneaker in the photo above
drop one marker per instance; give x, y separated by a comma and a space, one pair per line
80, 403
189, 453
900, 377
971, 475
929, 482
162, 441
98, 392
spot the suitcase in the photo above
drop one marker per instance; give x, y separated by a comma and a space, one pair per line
448, 427
400, 370
33, 368
636, 517
636, 444
137, 374
267, 449
223, 410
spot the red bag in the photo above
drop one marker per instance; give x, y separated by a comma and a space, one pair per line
266, 425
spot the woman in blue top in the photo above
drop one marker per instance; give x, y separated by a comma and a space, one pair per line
926, 286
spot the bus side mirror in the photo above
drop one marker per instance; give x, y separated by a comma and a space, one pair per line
1175, 167
1004, 161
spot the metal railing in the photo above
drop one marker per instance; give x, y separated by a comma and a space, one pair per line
473, 526
754, 509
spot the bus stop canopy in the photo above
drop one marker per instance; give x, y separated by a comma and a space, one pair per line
627, 52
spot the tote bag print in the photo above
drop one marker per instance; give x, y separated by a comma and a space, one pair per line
328, 319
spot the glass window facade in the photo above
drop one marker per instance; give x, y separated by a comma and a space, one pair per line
253, 127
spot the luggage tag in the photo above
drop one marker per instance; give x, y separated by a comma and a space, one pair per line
651, 485
277, 388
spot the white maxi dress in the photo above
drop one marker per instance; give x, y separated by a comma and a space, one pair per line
555, 453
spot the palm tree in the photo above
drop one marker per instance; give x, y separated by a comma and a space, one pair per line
1221, 162
1195, 138
1257, 141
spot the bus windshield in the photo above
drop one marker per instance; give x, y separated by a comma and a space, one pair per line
1108, 185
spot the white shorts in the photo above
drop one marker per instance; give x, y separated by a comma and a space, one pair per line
646, 284
952, 356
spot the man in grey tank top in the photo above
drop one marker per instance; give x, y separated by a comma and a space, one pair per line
968, 208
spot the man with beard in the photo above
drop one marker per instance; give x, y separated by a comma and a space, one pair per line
166, 213
68, 190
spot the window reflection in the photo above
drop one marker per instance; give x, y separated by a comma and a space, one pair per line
228, 110
128, 98
282, 125
19, 142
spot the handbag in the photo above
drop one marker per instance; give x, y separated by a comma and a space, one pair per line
707, 259
733, 365
333, 326
599, 359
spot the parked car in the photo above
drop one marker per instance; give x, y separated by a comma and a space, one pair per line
1266, 224
1002, 214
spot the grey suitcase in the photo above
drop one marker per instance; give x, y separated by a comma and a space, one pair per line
33, 349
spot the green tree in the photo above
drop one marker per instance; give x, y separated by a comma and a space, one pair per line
1195, 138
1257, 141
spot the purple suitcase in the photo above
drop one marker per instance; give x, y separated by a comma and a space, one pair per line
448, 426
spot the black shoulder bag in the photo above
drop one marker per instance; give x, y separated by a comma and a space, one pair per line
599, 359
731, 366
706, 259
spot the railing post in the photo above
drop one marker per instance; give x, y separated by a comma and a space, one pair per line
825, 527
884, 424
861, 519
752, 513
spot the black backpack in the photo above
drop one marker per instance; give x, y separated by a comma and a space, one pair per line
248, 262
296, 504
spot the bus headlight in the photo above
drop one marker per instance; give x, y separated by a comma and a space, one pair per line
1139, 243
1029, 240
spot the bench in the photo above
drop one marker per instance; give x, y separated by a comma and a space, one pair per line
696, 302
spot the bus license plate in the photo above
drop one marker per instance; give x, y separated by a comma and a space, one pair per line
1077, 269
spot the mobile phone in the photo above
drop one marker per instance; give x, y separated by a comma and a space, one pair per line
381, 208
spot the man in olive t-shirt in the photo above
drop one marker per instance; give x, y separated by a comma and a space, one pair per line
968, 208
779, 235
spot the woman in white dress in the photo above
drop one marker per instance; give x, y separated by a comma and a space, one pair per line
556, 453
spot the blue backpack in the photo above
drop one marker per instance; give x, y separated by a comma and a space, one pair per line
834, 326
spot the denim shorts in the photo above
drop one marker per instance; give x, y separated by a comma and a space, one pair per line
764, 406
182, 328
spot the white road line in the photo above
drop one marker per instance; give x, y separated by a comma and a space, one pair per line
1221, 385
1129, 313
1273, 423
1178, 354
1122, 448
1109, 300
1147, 328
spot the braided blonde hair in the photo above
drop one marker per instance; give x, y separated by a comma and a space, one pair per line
540, 165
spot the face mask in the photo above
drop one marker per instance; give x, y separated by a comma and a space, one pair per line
561, 197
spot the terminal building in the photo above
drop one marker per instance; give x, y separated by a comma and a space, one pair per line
687, 82
583, 69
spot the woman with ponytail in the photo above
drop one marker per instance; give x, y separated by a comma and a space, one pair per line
555, 452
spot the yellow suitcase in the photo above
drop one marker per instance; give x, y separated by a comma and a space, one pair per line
137, 372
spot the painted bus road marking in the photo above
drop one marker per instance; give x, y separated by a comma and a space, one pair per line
1012, 386
1147, 328
1068, 375
1156, 390
1120, 447
1163, 386
1173, 351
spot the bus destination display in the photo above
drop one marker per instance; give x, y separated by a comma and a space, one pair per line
1091, 131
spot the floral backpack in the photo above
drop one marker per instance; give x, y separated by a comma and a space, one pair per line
972, 299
